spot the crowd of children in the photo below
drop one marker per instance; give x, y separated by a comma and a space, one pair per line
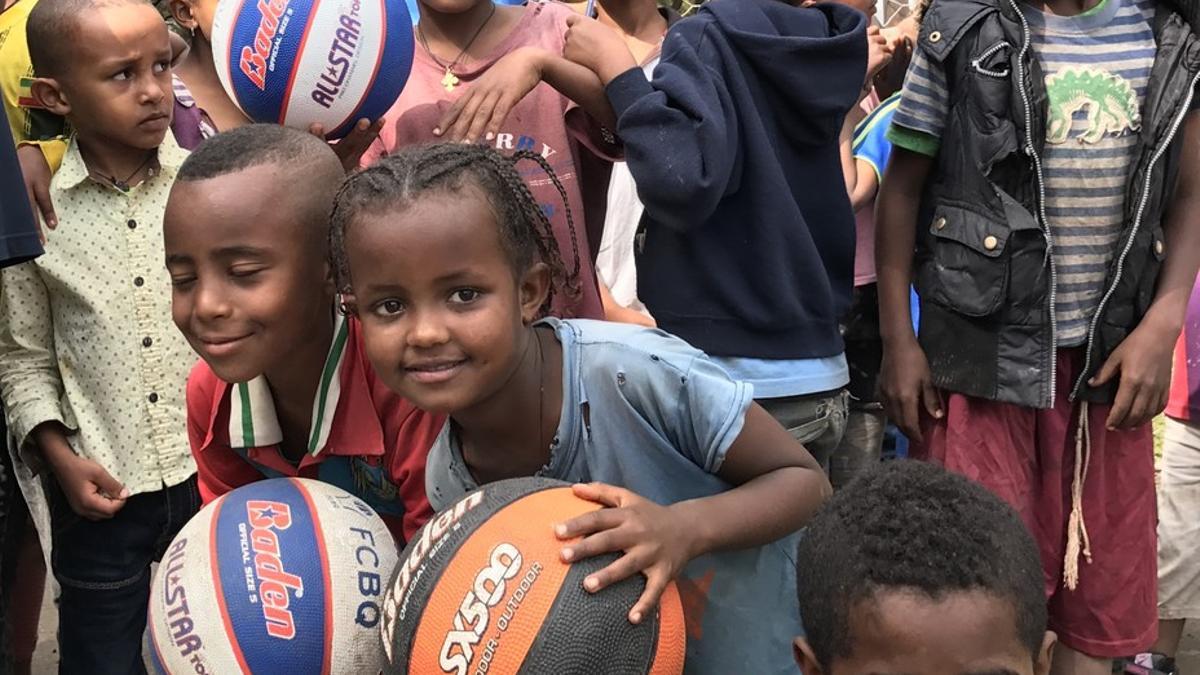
666, 259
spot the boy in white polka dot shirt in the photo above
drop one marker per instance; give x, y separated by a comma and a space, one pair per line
92, 372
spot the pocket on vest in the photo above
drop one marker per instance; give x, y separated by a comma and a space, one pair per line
965, 269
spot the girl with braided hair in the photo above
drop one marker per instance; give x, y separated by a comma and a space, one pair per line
494, 74
450, 266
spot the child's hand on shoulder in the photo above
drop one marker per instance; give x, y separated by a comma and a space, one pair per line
598, 48
36, 173
483, 107
654, 538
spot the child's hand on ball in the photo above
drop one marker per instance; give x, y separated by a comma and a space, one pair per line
653, 538
350, 148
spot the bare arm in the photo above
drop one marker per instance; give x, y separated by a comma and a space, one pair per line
1143, 361
861, 182
905, 380
480, 112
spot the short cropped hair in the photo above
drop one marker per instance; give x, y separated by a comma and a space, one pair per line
913, 526
314, 171
52, 30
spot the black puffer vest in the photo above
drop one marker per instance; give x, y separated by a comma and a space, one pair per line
984, 271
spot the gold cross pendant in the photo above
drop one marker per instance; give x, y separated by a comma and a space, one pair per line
449, 80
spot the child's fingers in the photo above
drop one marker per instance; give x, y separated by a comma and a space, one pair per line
451, 115
1120, 407
618, 570
458, 130
483, 115
499, 114
589, 523
317, 130
656, 583
601, 493
611, 540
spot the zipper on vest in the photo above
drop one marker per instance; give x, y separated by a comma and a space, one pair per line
1022, 74
1137, 224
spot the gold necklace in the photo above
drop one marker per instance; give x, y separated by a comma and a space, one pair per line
450, 80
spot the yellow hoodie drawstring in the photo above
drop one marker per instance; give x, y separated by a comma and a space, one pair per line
1077, 535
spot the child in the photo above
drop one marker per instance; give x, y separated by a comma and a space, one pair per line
284, 388
643, 25
1055, 255
477, 76
451, 263
91, 371
1178, 504
915, 570
746, 248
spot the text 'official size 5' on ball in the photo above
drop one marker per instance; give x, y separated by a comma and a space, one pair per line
300, 62
482, 589
281, 576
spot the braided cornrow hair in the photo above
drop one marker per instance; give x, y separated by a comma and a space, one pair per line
398, 181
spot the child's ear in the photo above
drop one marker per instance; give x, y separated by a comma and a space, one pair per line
347, 304
803, 654
535, 286
1041, 664
328, 280
49, 94
181, 10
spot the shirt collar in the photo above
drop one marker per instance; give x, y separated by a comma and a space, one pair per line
253, 422
74, 171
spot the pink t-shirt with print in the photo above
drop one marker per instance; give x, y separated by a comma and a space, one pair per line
544, 121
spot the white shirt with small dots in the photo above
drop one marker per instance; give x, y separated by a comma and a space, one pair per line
86, 337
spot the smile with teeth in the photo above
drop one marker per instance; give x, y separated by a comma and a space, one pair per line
432, 372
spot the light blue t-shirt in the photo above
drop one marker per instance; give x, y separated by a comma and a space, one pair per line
661, 417
779, 378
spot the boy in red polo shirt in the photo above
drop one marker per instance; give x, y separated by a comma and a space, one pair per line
284, 388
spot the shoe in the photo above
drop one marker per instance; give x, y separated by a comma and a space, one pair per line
1146, 663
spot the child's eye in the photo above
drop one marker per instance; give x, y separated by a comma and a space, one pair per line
121, 76
464, 296
390, 307
161, 67
244, 272
182, 281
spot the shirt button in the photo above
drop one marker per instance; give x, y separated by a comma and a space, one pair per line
138, 281
131, 223
990, 242
153, 397
1158, 247
940, 223
935, 37
146, 342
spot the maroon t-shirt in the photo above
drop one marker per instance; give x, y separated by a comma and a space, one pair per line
544, 121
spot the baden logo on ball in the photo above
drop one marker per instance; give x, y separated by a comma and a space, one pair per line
305, 62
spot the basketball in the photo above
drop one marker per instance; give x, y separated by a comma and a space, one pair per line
300, 62
281, 576
482, 589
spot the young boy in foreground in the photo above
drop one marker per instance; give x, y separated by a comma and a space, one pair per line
914, 570
284, 388
91, 371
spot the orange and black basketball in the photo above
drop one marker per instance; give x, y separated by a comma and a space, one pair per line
482, 589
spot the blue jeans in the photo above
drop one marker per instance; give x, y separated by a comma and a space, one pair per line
104, 569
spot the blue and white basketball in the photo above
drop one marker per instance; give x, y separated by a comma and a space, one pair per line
282, 576
300, 62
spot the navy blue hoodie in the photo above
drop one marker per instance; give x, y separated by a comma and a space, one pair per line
746, 247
